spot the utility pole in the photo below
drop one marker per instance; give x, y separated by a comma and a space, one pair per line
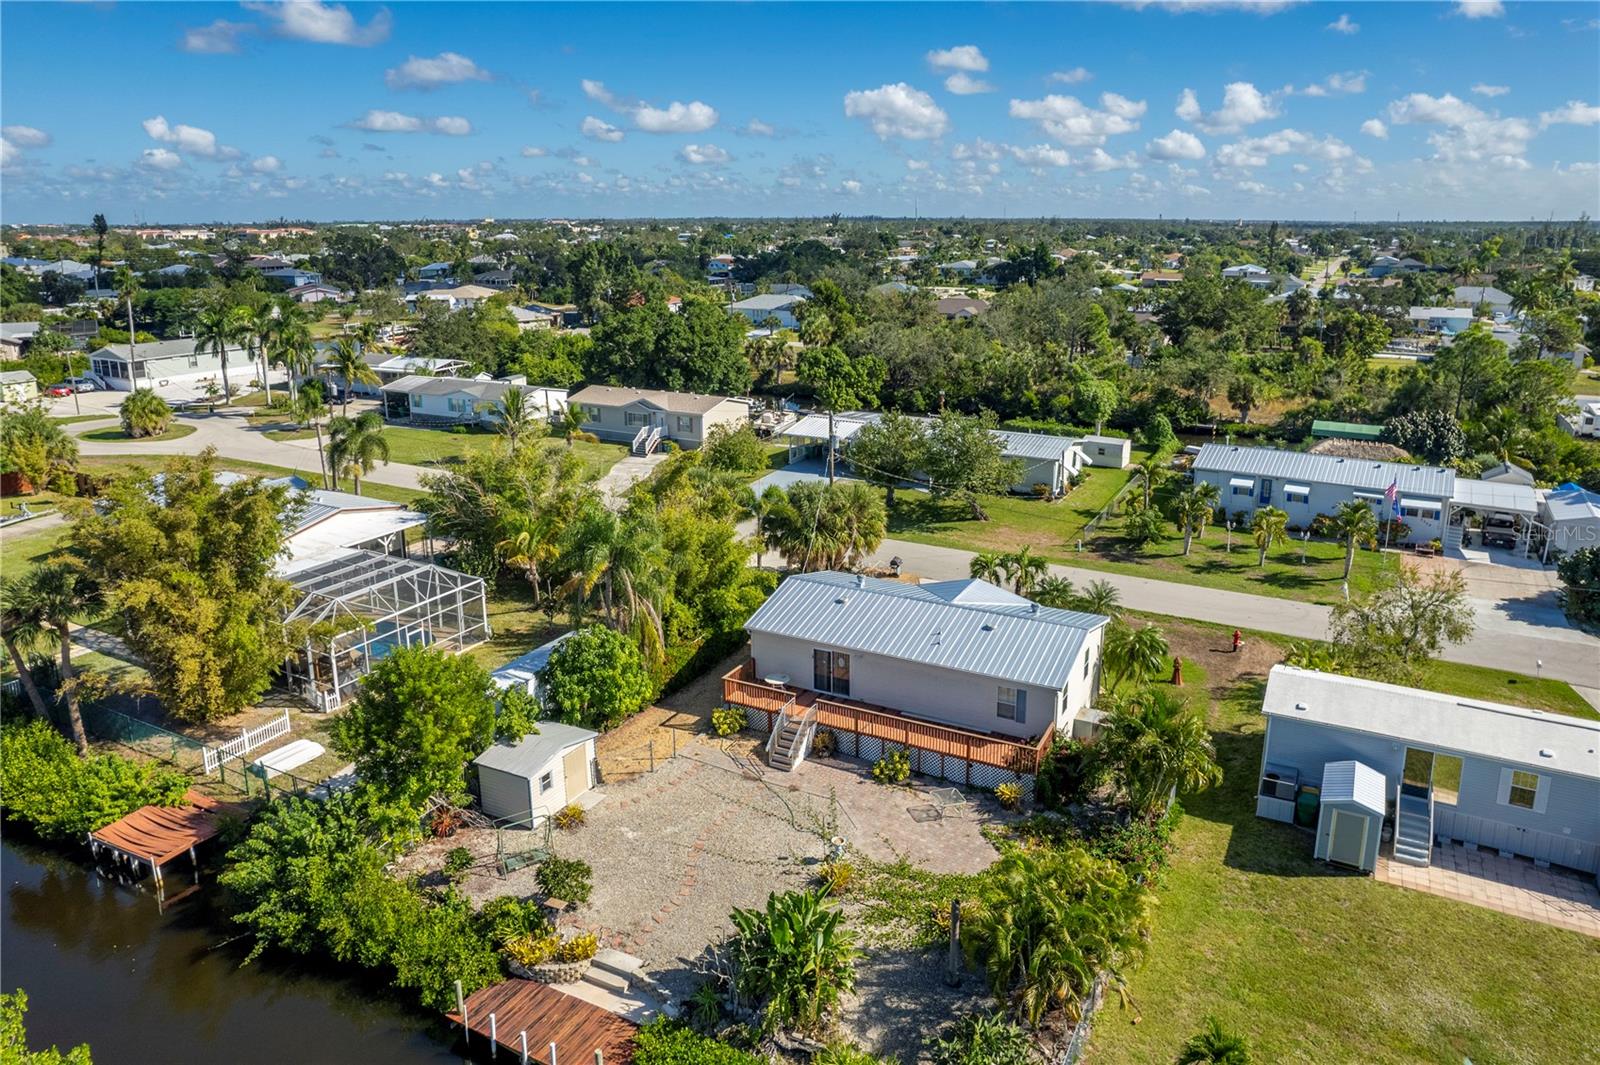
833, 443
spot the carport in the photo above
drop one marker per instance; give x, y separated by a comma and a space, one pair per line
1505, 515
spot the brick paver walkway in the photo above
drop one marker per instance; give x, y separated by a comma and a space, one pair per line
1510, 885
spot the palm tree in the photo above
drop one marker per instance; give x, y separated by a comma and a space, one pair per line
1134, 654
765, 509
514, 417
1023, 569
1270, 526
101, 228
621, 560
1056, 592
259, 323
216, 329
1192, 510
127, 283
570, 421
1154, 745
49, 599
1154, 474
860, 519
20, 630
345, 360
1354, 522
355, 446
145, 414
987, 566
1215, 1045
1101, 597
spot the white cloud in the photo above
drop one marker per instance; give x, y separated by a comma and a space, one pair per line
310, 20
1040, 155
1184, 7
916, 164
962, 57
1242, 105
897, 110
219, 38
530, 151
978, 149
1490, 90
1374, 127
160, 159
1470, 135
1575, 113
1256, 151
692, 117
964, 84
10, 154
190, 139
376, 121
595, 129
850, 186
452, 125
25, 136
757, 128
1179, 144
1342, 24
1075, 76
1099, 160
267, 164
446, 68
703, 154
1349, 83
1072, 122
1480, 8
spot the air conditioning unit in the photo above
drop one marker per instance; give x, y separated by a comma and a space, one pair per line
1280, 782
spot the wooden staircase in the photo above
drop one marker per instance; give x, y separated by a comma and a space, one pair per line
790, 742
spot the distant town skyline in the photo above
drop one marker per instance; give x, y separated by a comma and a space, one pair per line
1270, 109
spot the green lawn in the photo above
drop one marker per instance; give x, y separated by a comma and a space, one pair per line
69, 419
1323, 966
113, 434
21, 549
1498, 686
518, 625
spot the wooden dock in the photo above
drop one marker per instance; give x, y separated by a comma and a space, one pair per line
525, 1018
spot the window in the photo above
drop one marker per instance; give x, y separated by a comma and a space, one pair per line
1296, 497
546, 782
632, 418
685, 423
1011, 704
830, 672
1242, 490
1524, 791
592, 413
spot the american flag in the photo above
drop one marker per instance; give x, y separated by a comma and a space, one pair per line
1391, 495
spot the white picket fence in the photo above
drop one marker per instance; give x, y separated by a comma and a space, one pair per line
246, 741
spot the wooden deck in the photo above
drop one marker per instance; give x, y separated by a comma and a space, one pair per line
742, 687
577, 1028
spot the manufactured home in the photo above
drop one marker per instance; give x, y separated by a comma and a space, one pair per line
647, 416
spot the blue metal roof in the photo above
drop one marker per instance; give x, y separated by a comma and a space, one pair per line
1302, 467
970, 626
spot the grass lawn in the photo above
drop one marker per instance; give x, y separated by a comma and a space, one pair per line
518, 625
113, 434
22, 548
1320, 966
69, 419
310, 474
1498, 686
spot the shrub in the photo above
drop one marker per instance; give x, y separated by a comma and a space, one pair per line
509, 918
595, 678
532, 949
980, 1039
837, 876
569, 879
824, 742
145, 414
1217, 1045
792, 959
1580, 570
1067, 775
578, 948
585, 437
1009, 794
665, 1041
45, 784
726, 720
1140, 847
456, 863
569, 817
844, 1054
739, 449
893, 768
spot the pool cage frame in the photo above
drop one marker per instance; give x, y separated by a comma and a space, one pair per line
389, 601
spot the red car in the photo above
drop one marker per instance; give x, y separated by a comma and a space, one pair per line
61, 390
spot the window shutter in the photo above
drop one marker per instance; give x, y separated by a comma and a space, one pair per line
1504, 796
1541, 794
1022, 705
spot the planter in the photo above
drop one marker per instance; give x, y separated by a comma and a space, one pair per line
551, 972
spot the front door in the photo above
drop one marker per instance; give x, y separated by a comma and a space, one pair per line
1266, 490
1347, 839
830, 672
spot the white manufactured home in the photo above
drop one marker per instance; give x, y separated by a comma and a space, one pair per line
643, 417
1525, 783
170, 367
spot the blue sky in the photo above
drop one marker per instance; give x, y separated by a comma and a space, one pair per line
195, 112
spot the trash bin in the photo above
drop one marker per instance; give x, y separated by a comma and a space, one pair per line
1305, 807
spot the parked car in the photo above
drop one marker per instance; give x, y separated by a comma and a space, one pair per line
61, 388
82, 384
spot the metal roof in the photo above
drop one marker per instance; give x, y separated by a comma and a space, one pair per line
524, 669
1013, 445
1547, 742
1495, 495
1354, 782
968, 626
529, 756
1574, 504
673, 402
1301, 466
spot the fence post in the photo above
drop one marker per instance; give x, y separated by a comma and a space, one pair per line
652, 769
461, 1007
524, 1046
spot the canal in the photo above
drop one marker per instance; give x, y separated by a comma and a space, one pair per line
102, 966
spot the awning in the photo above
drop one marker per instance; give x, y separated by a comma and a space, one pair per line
1369, 495
1298, 488
1241, 482
1420, 504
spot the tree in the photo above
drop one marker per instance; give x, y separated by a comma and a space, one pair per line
1024, 570
101, 228
1093, 401
49, 600
727, 448
355, 446
127, 283
1215, 1045
1143, 527
1390, 633
699, 349
1355, 523
888, 452
1431, 434
36, 448
595, 679
1193, 509
1470, 365
793, 959
1158, 434
964, 460
309, 408
1133, 653
420, 715
1269, 526
618, 562
258, 324
189, 564
1055, 592
217, 328
828, 526
145, 414
514, 417
839, 381
1153, 745
1047, 921
570, 422
1580, 571
345, 360
1101, 597
987, 566
22, 631
14, 1006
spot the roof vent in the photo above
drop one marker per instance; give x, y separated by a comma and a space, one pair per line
1302, 707
1033, 608
987, 627
861, 580
1545, 752
842, 600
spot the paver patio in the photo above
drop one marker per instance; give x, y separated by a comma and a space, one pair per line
1510, 885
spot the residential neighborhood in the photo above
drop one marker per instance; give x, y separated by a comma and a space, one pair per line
1087, 552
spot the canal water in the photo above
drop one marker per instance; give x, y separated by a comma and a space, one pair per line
102, 966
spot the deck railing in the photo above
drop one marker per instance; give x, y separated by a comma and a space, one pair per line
742, 688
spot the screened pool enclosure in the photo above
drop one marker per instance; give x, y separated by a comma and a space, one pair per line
361, 605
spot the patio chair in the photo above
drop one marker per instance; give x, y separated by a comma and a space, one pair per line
948, 801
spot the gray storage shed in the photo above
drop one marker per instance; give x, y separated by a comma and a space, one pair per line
1350, 817
537, 776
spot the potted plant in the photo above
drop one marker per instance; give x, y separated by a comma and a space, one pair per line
549, 959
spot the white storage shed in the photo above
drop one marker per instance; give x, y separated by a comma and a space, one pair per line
1350, 815
524, 782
